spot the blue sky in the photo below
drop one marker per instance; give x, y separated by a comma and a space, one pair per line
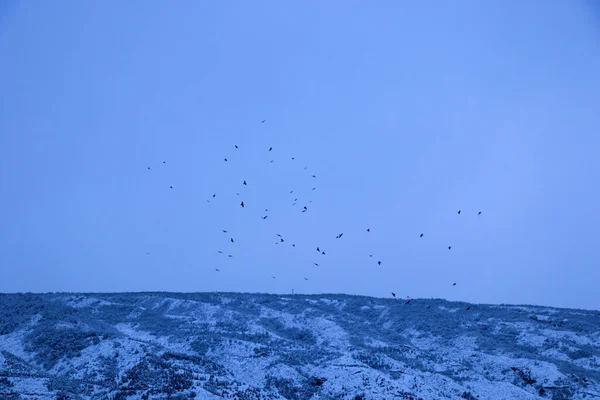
405, 112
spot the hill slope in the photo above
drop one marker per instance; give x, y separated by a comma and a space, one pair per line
254, 346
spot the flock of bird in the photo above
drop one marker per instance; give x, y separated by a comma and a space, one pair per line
303, 210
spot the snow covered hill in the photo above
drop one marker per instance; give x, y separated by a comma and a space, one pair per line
255, 346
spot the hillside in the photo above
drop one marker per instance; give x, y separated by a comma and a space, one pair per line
255, 346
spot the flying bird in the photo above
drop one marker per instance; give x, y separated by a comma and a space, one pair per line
449, 247
242, 204
368, 229
305, 279
459, 212
468, 308
229, 255
339, 236
279, 235
171, 187
220, 251
214, 195
479, 213
318, 249
147, 253
217, 269
281, 240
231, 240
291, 191
225, 160
148, 168
316, 264
428, 307
293, 158
270, 148
263, 121
164, 162
314, 176
378, 262
393, 294
454, 284
407, 301
314, 188
273, 277
224, 231
323, 252
271, 160
245, 183
293, 245
236, 146
265, 217
370, 255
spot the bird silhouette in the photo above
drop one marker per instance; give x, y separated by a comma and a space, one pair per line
149, 169
428, 307
370, 255
263, 121
217, 269
279, 235
393, 294
293, 245
368, 229
147, 253
421, 235
479, 213
225, 159
339, 236
242, 204
231, 240
407, 302
214, 195
314, 188
291, 191
378, 262
468, 308
316, 264
449, 247
293, 158
305, 279
164, 162
229, 255
245, 183
318, 249
323, 252
270, 148
236, 146
314, 176
265, 217
273, 277
459, 212
281, 240
171, 187
454, 284
224, 231
220, 251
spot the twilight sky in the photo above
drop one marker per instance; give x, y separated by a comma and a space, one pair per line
406, 112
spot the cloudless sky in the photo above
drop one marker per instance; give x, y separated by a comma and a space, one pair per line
405, 111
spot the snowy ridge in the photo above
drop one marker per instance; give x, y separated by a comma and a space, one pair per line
256, 346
